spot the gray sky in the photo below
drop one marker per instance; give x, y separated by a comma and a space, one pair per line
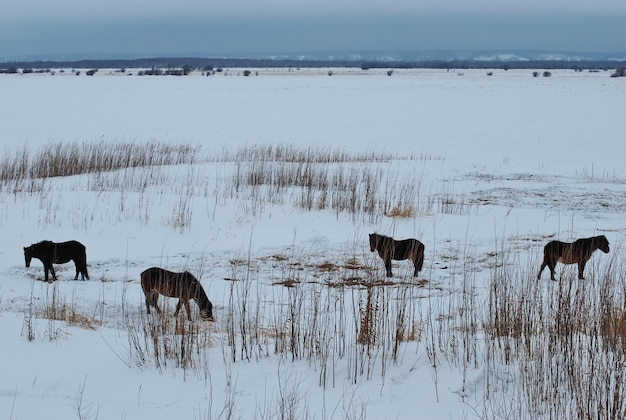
45, 28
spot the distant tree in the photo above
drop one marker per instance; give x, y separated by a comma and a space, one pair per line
246, 73
621, 72
547, 74
535, 74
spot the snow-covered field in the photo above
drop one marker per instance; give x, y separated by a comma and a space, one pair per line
484, 170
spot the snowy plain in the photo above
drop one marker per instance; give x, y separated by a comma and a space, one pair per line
502, 162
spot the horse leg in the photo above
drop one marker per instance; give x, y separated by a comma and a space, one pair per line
188, 310
543, 265
546, 262
551, 266
151, 300
154, 297
581, 269
77, 271
178, 306
418, 262
82, 267
388, 266
49, 269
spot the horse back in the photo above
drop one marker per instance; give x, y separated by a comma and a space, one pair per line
168, 283
569, 253
407, 248
69, 250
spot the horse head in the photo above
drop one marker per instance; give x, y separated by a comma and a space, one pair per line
207, 313
603, 244
198, 293
373, 241
28, 255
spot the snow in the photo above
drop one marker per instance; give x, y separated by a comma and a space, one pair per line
521, 159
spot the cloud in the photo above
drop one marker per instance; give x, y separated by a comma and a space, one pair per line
149, 27
100, 9
236, 35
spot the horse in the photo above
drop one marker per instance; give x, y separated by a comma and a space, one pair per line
184, 286
577, 252
390, 249
58, 253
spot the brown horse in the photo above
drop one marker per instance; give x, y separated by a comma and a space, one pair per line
184, 286
390, 249
577, 252
49, 253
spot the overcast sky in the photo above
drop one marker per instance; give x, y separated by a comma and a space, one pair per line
92, 28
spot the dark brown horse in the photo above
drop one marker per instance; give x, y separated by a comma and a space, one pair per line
58, 253
577, 252
184, 286
390, 249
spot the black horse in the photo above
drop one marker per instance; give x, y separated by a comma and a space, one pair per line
577, 252
390, 249
58, 253
184, 286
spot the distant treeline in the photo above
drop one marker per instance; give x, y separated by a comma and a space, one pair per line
213, 63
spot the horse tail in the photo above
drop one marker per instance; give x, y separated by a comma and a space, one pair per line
145, 282
420, 257
85, 272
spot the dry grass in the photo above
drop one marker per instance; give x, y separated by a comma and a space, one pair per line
571, 331
67, 159
402, 213
312, 178
564, 342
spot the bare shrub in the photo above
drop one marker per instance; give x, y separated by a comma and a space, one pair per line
567, 339
66, 159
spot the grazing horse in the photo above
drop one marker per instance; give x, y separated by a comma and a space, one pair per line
184, 286
390, 249
58, 253
577, 252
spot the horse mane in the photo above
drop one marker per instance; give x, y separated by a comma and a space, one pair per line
381, 236
596, 240
383, 241
601, 240
44, 242
202, 298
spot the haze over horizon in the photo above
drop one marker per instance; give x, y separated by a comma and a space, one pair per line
40, 29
